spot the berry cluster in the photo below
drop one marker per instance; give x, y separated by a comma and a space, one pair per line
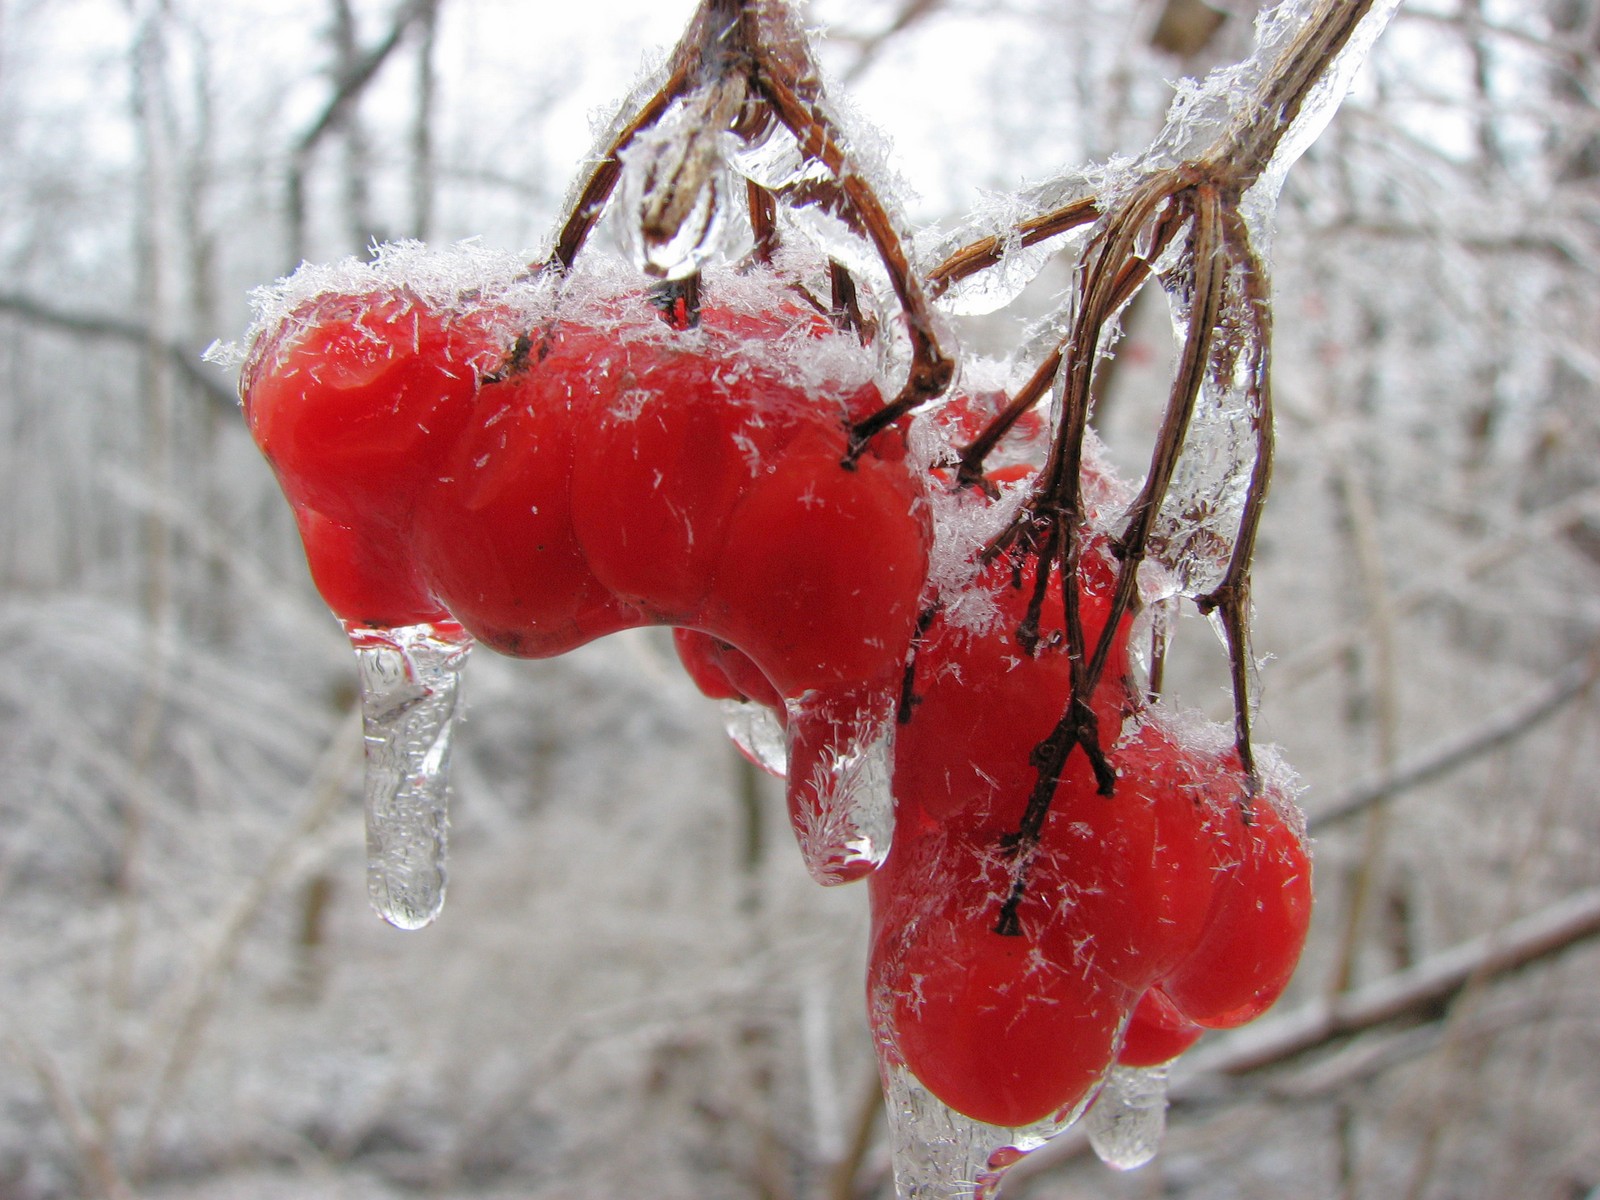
552, 474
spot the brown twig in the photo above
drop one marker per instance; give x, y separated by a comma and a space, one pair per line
1223, 286
990, 251
748, 65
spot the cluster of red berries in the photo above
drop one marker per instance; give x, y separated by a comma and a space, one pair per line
621, 462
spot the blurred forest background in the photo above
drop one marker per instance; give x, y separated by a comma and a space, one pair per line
635, 990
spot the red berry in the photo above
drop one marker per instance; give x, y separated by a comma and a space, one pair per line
823, 566
354, 400
982, 691
494, 534
368, 578
724, 672
1141, 864
1157, 1032
1257, 924
994, 1026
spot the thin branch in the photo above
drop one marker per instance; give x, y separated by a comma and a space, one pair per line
1550, 523
99, 1167
987, 252
1418, 991
185, 359
361, 72
841, 1181
348, 88
1451, 754
325, 789
911, 12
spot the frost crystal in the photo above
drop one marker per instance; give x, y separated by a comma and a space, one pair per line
409, 677
464, 277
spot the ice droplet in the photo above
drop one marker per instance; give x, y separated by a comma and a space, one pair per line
758, 733
839, 797
697, 240
409, 680
774, 160
672, 201
939, 1154
1129, 1116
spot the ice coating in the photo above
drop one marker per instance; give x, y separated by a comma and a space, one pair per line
774, 160
938, 1153
673, 190
409, 680
1018, 259
1210, 113
1129, 1117
1219, 120
1194, 534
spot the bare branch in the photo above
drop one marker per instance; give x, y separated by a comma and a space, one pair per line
185, 359
348, 87
1453, 753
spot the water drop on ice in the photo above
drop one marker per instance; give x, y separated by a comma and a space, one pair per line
409, 685
1128, 1119
697, 242
758, 733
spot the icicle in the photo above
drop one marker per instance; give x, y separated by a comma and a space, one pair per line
409, 678
1129, 1116
758, 733
841, 755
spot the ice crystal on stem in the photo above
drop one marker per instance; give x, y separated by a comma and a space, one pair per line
409, 691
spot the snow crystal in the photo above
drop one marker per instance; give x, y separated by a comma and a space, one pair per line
462, 277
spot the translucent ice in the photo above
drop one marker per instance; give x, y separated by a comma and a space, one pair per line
775, 161
758, 733
1129, 1116
840, 755
673, 193
939, 1154
409, 677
